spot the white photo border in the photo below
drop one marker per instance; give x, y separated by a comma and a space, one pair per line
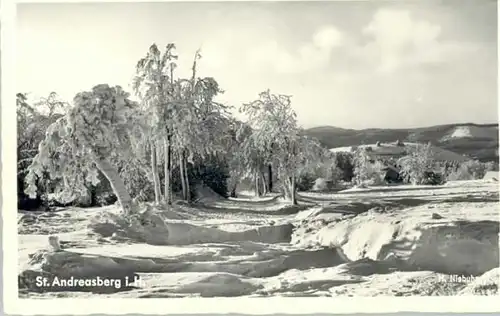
258, 306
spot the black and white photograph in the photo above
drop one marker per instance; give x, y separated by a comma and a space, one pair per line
327, 149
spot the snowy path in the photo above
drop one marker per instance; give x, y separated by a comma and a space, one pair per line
381, 241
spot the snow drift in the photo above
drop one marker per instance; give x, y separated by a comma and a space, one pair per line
217, 270
418, 240
152, 228
375, 241
62, 265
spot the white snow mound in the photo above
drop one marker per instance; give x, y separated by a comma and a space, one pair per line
446, 245
152, 228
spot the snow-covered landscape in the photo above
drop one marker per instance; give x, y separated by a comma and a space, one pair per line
382, 241
194, 156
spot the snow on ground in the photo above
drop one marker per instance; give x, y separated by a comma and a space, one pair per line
464, 239
491, 175
402, 240
472, 132
347, 149
249, 195
460, 132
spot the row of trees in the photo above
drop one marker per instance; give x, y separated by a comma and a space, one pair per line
419, 166
175, 135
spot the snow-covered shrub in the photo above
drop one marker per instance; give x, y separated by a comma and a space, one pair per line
320, 185
471, 170
416, 165
462, 173
136, 177
324, 168
367, 171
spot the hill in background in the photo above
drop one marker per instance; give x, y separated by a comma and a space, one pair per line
473, 140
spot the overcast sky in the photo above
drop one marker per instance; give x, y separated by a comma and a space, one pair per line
347, 64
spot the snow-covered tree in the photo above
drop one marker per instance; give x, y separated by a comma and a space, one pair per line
367, 171
33, 119
254, 160
334, 173
273, 123
237, 153
51, 105
154, 84
82, 142
321, 175
275, 131
203, 127
305, 155
182, 114
32, 122
417, 163
470, 170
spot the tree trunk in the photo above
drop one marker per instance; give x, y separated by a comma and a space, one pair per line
165, 171
170, 164
293, 190
182, 176
233, 192
263, 182
116, 183
156, 178
256, 184
270, 178
286, 189
186, 175
168, 171
157, 171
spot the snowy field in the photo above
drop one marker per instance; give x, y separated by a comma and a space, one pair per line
398, 241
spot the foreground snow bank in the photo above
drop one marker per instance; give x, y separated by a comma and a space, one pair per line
151, 227
230, 269
422, 240
64, 271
